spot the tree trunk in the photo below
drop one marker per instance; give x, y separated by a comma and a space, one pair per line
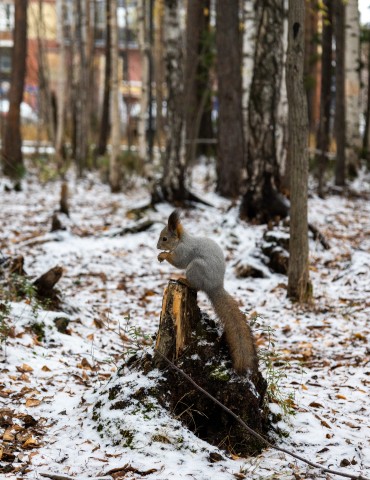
81, 87
159, 69
173, 179
46, 108
144, 53
197, 65
249, 46
366, 138
340, 108
262, 163
104, 121
230, 148
312, 66
299, 287
352, 85
323, 136
114, 167
62, 87
12, 145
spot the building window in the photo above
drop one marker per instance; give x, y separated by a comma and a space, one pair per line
6, 17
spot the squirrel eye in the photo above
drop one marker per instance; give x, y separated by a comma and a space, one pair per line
164, 239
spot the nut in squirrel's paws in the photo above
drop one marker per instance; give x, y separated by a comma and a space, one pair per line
162, 256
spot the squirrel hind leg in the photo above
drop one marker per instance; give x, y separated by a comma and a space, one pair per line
201, 278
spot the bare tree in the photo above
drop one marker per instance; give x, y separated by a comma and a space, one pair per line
311, 64
12, 144
340, 78
62, 86
197, 66
114, 167
80, 85
105, 114
159, 68
366, 137
144, 98
352, 86
323, 135
172, 185
299, 287
261, 200
230, 149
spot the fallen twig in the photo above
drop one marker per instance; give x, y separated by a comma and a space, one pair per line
58, 476
257, 435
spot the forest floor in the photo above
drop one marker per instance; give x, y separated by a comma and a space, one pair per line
112, 290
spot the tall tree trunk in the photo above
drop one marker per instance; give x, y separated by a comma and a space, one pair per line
366, 138
230, 148
299, 287
323, 136
114, 167
12, 145
261, 199
62, 87
312, 66
249, 46
81, 84
173, 179
159, 68
197, 66
47, 111
101, 147
144, 53
340, 108
352, 86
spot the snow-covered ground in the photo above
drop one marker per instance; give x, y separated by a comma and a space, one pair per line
113, 285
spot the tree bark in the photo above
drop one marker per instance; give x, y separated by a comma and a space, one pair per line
230, 148
352, 85
62, 87
81, 87
312, 66
323, 136
340, 108
114, 167
366, 138
105, 115
159, 68
173, 179
197, 65
299, 287
12, 145
144, 103
262, 162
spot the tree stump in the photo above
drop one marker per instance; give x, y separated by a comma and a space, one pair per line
192, 341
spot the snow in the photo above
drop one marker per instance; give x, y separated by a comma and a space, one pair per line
112, 286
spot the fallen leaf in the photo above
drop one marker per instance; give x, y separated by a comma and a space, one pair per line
325, 424
25, 368
32, 402
341, 397
45, 369
31, 442
8, 435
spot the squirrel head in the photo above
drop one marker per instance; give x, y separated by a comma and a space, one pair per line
170, 236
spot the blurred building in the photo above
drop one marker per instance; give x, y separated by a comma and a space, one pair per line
45, 35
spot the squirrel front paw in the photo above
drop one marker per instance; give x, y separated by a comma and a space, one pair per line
162, 256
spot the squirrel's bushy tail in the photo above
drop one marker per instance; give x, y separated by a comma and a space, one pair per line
239, 336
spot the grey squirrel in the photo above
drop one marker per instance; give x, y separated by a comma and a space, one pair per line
205, 265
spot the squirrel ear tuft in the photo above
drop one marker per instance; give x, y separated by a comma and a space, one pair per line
174, 220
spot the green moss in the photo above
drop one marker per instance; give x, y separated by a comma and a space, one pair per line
221, 374
38, 328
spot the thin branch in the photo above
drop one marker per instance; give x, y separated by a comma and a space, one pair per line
255, 434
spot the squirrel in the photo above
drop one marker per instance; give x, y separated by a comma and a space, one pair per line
204, 262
